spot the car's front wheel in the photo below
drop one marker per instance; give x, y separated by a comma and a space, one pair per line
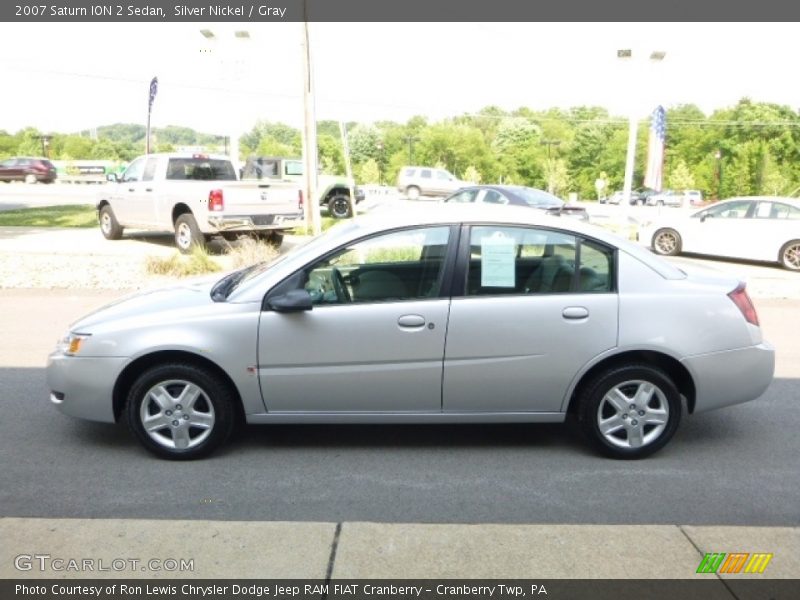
179, 411
109, 226
667, 242
339, 207
790, 255
631, 411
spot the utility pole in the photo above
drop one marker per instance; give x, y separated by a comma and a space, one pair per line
311, 204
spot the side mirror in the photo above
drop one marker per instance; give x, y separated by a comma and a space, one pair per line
111, 177
703, 218
293, 301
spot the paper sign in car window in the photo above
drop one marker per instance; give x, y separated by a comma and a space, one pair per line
498, 254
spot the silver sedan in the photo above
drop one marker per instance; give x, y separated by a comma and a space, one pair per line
457, 314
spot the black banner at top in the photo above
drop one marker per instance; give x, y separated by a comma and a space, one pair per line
396, 10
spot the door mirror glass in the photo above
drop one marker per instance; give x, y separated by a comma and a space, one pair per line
292, 301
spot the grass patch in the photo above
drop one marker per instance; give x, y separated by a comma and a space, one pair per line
51, 216
326, 223
248, 252
182, 265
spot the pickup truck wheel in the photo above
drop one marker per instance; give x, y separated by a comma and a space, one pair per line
109, 226
339, 207
412, 192
188, 234
273, 238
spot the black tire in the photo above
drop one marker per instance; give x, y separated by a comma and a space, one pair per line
789, 256
202, 430
188, 234
667, 242
630, 433
339, 206
109, 226
412, 192
274, 238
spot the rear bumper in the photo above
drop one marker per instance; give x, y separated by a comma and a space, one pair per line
731, 377
254, 222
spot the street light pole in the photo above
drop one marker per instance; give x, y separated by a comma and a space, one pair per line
311, 204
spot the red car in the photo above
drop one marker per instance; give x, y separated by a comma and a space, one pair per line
29, 170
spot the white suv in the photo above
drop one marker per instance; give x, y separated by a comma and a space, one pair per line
427, 181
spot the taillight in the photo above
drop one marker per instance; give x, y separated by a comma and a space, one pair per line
215, 201
300, 199
744, 304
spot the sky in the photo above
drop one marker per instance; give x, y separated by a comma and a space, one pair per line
71, 77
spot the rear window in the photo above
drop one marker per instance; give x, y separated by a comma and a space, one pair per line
202, 169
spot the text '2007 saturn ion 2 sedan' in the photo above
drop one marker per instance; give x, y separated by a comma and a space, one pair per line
457, 314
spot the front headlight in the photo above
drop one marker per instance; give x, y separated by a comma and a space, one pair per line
71, 344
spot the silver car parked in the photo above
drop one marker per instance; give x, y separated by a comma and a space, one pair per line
458, 314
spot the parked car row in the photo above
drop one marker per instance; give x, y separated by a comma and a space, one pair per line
648, 197
515, 195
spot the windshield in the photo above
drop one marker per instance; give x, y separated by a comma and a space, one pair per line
225, 286
539, 198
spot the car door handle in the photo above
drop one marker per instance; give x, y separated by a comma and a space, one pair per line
131, 189
148, 189
575, 312
411, 321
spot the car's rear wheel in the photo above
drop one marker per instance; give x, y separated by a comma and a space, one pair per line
109, 226
30, 178
790, 255
630, 412
274, 238
188, 234
179, 411
412, 192
667, 242
339, 207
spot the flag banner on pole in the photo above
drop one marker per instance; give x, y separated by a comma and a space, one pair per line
653, 177
153, 92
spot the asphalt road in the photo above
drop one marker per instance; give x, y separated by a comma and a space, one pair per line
736, 466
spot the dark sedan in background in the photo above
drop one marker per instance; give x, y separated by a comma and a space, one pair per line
519, 196
29, 170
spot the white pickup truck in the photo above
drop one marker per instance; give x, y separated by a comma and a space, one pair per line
196, 196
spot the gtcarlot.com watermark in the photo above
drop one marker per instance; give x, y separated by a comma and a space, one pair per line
57, 564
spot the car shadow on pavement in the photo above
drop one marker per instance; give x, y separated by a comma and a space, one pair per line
216, 246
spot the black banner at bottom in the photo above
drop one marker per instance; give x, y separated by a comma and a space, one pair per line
703, 588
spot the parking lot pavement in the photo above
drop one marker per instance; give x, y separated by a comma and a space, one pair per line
357, 550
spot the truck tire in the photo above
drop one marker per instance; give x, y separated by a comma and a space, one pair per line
188, 234
274, 238
339, 206
109, 226
412, 192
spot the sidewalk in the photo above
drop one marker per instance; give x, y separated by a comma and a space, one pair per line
280, 550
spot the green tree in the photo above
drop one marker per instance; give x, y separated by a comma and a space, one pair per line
680, 177
369, 172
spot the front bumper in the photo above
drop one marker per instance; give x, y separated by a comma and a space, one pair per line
255, 222
84, 387
731, 377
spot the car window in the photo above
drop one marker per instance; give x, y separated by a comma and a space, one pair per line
7, 163
397, 266
149, 169
776, 210
425, 173
521, 260
203, 169
494, 197
134, 171
293, 167
729, 210
443, 175
464, 196
409, 172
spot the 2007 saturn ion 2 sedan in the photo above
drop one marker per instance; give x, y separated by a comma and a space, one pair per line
456, 314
